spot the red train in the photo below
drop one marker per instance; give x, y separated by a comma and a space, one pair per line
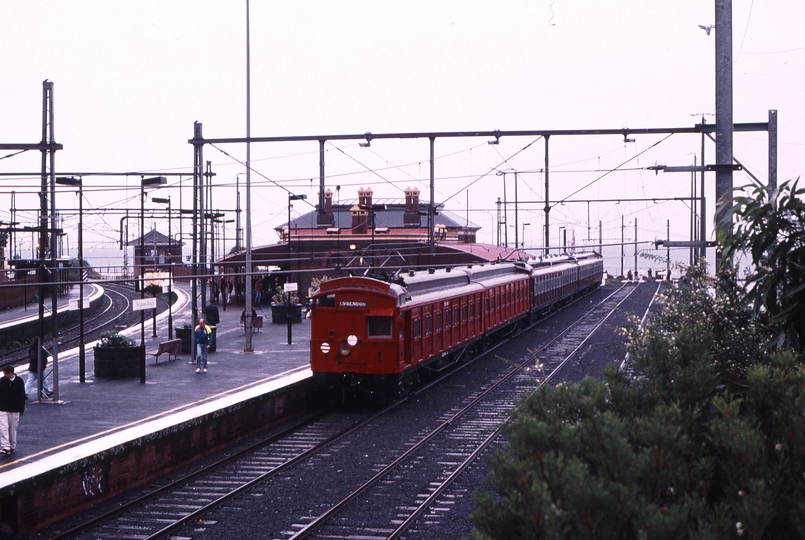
373, 340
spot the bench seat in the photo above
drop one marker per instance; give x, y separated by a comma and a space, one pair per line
172, 347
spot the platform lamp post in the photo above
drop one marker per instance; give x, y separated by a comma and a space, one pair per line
213, 217
170, 264
144, 182
72, 181
291, 198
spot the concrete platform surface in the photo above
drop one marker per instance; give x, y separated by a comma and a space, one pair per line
99, 407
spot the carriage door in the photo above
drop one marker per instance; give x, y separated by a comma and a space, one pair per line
438, 339
427, 339
404, 344
416, 333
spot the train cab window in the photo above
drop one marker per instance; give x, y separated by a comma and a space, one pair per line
326, 301
438, 321
448, 318
428, 325
378, 327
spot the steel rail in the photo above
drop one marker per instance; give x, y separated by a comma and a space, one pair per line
318, 522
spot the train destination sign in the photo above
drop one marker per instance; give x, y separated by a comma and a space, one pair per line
351, 303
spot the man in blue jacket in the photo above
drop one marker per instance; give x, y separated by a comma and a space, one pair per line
12, 406
202, 336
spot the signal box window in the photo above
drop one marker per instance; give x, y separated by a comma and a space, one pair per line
378, 327
326, 301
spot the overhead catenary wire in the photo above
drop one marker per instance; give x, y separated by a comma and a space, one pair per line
274, 182
373, 171
617, 167
494, 168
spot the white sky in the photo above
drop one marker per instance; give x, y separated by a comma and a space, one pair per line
132, 77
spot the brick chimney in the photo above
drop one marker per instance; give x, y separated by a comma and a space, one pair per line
365, 196
359, 220
325, 218
411, 216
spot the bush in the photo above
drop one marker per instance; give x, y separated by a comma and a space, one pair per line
281, 297
703, 437
114, 340
770, 232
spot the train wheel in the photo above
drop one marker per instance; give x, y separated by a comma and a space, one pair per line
407, 383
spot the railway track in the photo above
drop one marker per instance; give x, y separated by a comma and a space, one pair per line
330, 476
114, 313
444, 452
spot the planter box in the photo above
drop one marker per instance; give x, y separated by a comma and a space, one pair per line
279, 313
118, 362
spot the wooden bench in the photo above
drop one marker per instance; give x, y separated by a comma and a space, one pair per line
172, 347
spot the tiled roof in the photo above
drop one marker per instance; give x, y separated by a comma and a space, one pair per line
153, 237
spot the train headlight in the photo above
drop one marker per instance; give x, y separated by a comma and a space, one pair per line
347, 344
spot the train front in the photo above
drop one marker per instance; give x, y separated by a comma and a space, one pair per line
356, 339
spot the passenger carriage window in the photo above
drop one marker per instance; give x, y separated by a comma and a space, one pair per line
455, 315
326, 301
448, 318
417, 328
438, 321
464, 313
428, 325
378, 327
472, 310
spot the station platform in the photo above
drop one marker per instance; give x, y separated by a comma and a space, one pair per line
51, 431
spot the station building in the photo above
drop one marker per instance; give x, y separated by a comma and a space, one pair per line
364, 236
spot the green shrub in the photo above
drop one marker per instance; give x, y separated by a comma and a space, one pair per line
114, 340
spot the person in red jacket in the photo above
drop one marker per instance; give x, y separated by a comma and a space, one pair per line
12, 406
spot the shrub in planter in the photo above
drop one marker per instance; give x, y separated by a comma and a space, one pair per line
279, 308
117, 356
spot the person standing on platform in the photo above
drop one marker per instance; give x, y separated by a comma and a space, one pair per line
258, 291
213, 319
12, 406
202, 335
215, 290
34, 373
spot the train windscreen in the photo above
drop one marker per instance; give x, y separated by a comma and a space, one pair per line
378, 326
